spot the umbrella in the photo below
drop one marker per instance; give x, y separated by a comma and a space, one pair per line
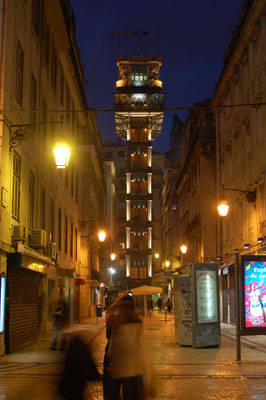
142, 290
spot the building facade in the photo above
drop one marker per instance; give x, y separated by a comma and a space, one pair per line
42, 240
139, 104
241, 146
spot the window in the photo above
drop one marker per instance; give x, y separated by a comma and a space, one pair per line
52, 221
19, 74
108, 154
66, 177
35, 16
42, 208
71, 239
46, 43
62, 87
72, 179
31, 200
33, 99
76, 244
66, 234
77, 188
53, 68
16, 186
59, 229
121, 154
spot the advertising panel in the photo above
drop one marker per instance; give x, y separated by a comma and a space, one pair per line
254, 292
206, 286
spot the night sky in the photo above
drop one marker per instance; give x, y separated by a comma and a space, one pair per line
193, 37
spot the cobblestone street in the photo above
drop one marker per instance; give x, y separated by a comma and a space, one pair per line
179, 372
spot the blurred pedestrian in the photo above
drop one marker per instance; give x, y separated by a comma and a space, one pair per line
159, 304
169, 304
79, 368
61, 321
125, 367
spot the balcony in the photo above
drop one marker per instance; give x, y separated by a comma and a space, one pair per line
139, 101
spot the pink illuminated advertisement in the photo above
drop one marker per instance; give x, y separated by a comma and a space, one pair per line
255, 293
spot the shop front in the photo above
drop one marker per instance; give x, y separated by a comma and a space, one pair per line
27, 297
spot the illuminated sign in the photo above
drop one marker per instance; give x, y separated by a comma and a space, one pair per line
2, 303
254, 292
206, 286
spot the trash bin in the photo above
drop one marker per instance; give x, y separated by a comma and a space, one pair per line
99, 310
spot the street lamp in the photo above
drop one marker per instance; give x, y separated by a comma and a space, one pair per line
101, 235
62, 155
249, 195
223, 208
112, 272
113, 256
156, 255
167, 263
183, 248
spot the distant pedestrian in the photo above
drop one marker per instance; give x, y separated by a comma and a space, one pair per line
159, 304
169, 304
79, 368
61, 320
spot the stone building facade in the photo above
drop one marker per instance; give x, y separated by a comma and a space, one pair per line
241, 146
43, 249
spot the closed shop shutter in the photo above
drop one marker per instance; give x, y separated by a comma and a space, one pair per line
23, 311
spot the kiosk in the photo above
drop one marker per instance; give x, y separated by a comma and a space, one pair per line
196, 300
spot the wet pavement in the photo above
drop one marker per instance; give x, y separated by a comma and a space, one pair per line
179, 372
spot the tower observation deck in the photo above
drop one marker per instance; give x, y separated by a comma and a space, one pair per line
139, 110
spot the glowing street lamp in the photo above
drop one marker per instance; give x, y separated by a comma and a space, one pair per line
183, 248
102, 235
167, 263
62, 155
156, 255
223, 208
113, 256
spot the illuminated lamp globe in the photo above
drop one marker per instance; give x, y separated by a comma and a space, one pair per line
156, 255
183, 248
113, 256
167, 263
223, 208
62, 155
101, 235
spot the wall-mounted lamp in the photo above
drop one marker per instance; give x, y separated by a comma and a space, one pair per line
183, 248
62, 155
101, 235
249, 195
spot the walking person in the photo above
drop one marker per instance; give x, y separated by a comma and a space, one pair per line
125, 368
79, 367
169, 304
61, 320
159, 304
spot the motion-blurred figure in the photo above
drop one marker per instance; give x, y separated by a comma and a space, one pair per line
125, 368
61, 321
159, 304
169, 304
79, 368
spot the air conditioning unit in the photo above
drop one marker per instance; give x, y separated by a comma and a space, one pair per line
19, 233
38, 238
51, 250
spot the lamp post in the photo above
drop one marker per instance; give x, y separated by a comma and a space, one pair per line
102, 235
112, 271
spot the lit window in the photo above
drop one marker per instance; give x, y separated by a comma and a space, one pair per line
132, 77
136, 78
141, 78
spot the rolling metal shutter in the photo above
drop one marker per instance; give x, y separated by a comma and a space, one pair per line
23, 317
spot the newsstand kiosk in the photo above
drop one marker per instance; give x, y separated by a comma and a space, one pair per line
196, 301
